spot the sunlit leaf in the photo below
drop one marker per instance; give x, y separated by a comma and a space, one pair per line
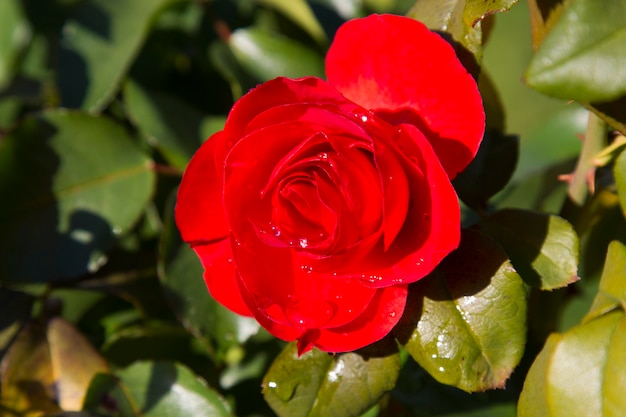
74, 362
460, 18
620, 179
543, 14
181, 273
76, 182
300, 12
265, 55
581, 372
466, 323
153, 389
100, 41
319, 384
612, 291
543, 248
583, 57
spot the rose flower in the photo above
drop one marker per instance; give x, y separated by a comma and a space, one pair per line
320, 201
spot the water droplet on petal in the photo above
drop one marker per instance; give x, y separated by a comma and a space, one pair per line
392, 314
303, 243
310, 314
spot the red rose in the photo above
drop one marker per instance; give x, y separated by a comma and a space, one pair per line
320, 202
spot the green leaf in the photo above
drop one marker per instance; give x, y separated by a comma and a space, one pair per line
265, 55
583, 57
100, 41
168, 123
300, 12
465, 324
612, 291
459, 18
492, 168
153, 389
14, 36
76, 182
580, 372
543, 247
620, 178
181, 273
319, 384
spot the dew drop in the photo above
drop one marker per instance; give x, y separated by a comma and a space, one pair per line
322, 155
272, 384
229, 260
441, 369
303, 242
310, 314
392, 314
364, 119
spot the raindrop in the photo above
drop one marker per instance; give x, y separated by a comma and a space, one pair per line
441, 369
272, 384
364, 118
303, 242
310, 314
322, 155
392, 314
229, 260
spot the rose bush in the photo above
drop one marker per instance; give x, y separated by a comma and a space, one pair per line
319, 202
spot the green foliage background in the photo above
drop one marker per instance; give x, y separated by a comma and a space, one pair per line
103, 311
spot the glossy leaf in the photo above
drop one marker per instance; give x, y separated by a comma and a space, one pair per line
620, 179
181, 272
492, 168
74, 362
169, 124
543, 248
583, 57
319, 384
459, 18
266, 56
465, 324
612, 292
76, 181
581, 372
100, 41
153, 389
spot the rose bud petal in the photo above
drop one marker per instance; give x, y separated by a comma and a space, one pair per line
320, 202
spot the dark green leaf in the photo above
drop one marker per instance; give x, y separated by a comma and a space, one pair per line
181, 273
612, 291
543, 247
76, 182
265, 55
459, 18
319, 384
492, 168
620, 179
100, 42
15, 310
580, 372
584, 56
465, 324
171, 125
153, 389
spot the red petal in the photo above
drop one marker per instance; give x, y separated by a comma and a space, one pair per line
433, 224
199, 211
405, 73
220, 275
382, 314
